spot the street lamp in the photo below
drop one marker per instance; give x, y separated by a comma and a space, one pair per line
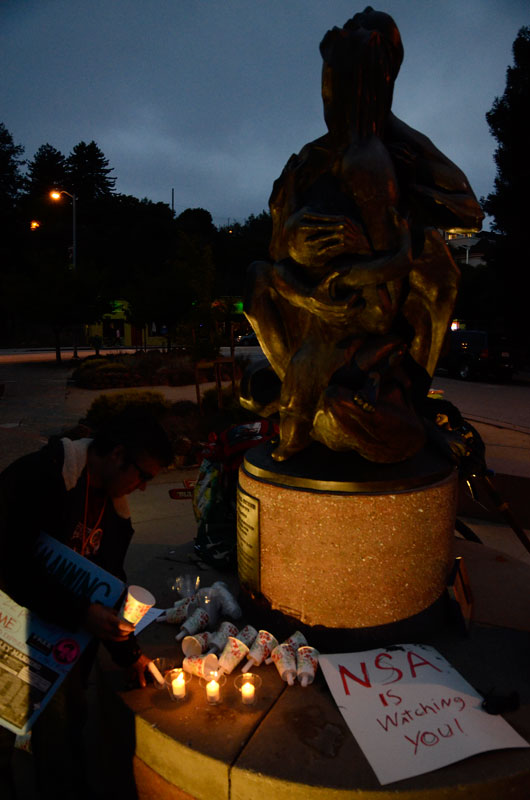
55, 194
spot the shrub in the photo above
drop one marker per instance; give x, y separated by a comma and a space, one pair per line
138, 369
107, 406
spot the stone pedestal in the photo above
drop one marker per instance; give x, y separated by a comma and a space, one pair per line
332, 540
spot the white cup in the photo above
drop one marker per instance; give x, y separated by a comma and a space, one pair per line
136, 604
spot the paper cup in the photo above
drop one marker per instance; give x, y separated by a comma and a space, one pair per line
229, 605
284, 658
197, 644
247, 635
201, 666
306, 664
180, 611
198, 621
234, 652
219, 638
296, 640
136, 604
261, 649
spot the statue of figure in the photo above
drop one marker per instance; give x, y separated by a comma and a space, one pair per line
353, 310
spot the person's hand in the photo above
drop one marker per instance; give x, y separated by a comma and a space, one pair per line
105, 623
136, 672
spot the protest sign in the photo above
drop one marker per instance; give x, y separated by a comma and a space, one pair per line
35, 655
410, 711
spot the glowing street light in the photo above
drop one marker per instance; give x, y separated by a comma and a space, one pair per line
55, 194
34, 224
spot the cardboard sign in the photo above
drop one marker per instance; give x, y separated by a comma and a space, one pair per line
35, 655
410, 711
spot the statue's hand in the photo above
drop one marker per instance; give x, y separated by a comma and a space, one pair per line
314, 238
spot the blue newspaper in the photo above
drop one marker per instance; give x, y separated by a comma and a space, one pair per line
35, 655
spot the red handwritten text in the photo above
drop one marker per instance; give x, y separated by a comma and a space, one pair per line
399, 718
7, 621
414, 661
431, 738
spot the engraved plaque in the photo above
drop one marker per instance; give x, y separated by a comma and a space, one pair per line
248, 556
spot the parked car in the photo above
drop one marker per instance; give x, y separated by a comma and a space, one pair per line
247, 340
478, 354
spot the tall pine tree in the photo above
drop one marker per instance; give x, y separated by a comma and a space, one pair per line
89, 172
11, 177
47, 170
509, 203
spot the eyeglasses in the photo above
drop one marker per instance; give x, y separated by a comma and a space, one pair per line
142, 474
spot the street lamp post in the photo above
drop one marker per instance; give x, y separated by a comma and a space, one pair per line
56, 195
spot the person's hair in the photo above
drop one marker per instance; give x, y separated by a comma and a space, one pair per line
139, 432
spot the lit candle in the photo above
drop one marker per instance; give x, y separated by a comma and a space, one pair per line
212, 691
178, 686
248, 693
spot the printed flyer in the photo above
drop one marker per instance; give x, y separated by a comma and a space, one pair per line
410, 711
35, 656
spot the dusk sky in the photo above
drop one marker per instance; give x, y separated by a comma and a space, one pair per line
211, 97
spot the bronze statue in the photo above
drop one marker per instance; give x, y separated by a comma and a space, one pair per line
353, 309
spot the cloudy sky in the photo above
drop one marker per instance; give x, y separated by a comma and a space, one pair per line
210, 97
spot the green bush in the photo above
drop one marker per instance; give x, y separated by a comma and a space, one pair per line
106, 406
135, 369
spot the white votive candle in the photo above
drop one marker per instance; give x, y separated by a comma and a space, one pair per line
248, 693
178, 686
212, 691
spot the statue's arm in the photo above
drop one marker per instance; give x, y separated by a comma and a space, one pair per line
314, 238
336, 294
438, 188
304, 230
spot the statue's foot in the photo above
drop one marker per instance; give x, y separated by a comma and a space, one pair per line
294, 437
284, 451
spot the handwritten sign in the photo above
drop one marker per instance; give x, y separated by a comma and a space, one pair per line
411, 711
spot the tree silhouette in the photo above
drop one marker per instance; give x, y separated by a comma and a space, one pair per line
11, 177
88, 172
509, 204
45, 171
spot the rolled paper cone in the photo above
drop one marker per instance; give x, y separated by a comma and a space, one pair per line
247, 635
136, 604
296, 640
284, 658
229, 604
197, 644
201, 666
234, 652
155, 672
248, 666
220, 637
306, 664
198, 621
